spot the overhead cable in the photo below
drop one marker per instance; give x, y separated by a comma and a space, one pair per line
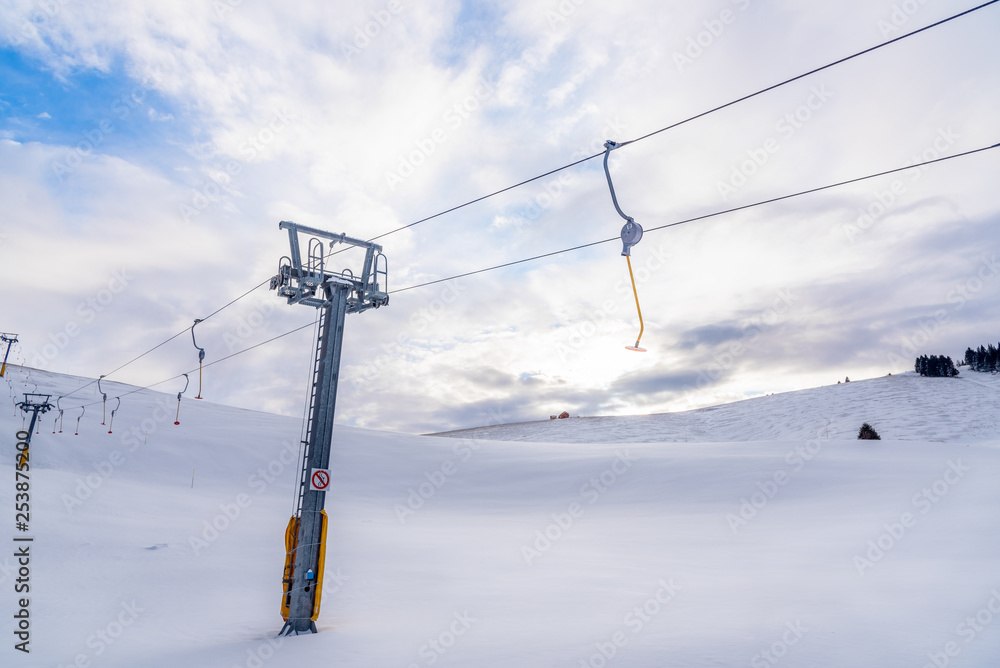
702, 217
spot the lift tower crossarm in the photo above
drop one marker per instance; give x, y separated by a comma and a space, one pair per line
322, 234
301, 282
34, 403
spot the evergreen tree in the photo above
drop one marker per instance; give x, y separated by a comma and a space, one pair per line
937, 366
868, 433
985, 359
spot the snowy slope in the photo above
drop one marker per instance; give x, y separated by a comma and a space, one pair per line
900, 407
726, 553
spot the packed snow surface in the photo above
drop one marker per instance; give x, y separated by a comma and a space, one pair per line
760, 533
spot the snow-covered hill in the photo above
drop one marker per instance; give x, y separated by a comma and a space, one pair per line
772, 538
902, 407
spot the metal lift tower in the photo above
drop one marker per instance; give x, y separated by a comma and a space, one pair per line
305, 280
34, 403
10, 340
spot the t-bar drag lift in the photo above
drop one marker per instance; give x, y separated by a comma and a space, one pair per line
201, 356
631, 235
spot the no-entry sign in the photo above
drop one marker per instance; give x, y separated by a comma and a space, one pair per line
319, 480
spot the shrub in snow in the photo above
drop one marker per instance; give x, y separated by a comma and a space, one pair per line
868, 433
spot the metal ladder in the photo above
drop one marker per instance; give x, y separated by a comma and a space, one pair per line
304, 472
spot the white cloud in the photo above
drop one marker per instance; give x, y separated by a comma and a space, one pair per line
157, 116
273, 117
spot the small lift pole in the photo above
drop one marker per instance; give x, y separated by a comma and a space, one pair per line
306, 281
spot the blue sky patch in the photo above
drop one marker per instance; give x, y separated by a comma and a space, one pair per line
106, 109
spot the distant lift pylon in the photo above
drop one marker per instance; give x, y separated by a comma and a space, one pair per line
33, 403
10, 340
306, 280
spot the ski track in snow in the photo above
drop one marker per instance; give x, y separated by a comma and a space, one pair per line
704, 538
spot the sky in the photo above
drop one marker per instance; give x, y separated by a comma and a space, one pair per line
149, 150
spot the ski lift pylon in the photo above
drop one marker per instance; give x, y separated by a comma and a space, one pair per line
10, 340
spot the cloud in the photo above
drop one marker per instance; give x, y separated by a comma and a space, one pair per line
653, 384
710, 335
322, 114
157, 116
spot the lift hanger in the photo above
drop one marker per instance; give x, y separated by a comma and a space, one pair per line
631, 235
